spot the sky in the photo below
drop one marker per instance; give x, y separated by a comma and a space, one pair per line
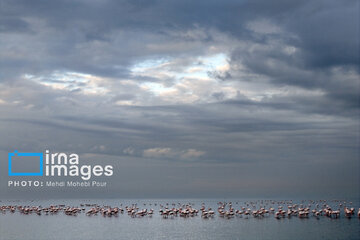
186, 98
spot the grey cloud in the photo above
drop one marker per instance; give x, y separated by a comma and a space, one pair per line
283, 105
13, 25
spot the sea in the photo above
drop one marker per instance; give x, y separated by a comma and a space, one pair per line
82, 227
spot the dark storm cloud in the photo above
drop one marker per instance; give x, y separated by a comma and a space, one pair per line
327, 31
13, 25
291, 71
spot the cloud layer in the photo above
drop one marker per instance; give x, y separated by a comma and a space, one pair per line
255, 97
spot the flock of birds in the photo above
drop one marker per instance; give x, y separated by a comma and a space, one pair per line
256, 209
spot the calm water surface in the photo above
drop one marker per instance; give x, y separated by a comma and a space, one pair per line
82, 227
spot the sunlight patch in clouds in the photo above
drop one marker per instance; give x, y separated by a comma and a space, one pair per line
71, 81
196, 67
157, 88
190, 77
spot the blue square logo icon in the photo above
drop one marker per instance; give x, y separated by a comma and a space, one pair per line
25, 164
